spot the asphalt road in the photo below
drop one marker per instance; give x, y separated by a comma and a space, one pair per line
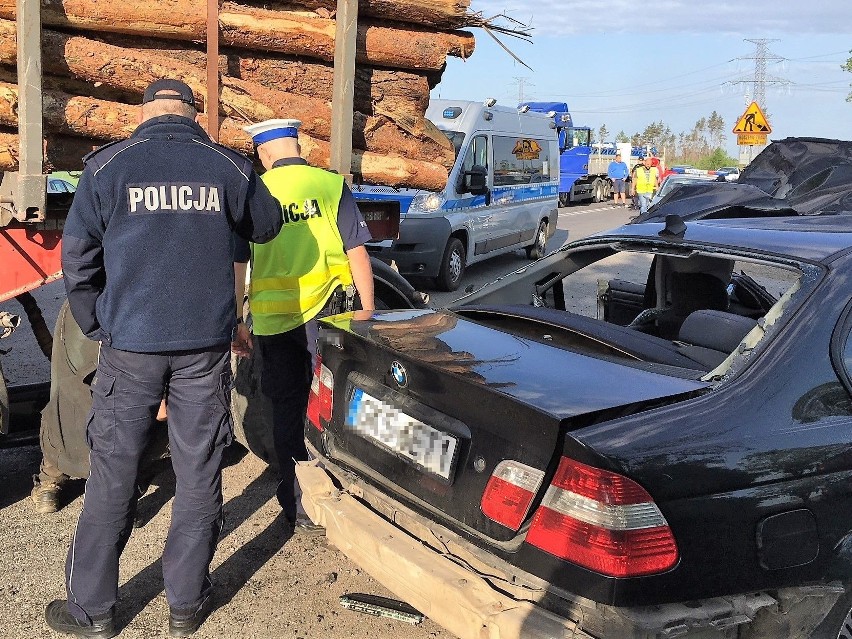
575, 223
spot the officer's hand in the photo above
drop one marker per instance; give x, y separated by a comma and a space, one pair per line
241, 346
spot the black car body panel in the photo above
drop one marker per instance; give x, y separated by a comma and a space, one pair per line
446, 356
813, 175
517, 367
748, 458
804, 238
794, 176
723, 199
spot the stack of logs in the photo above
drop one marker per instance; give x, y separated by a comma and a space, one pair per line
275, 62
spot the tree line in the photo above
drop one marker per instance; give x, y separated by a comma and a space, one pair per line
702, 146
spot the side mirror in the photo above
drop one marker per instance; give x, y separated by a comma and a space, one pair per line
477, 180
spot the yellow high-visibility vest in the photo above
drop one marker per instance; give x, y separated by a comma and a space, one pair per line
293, 276
646, 179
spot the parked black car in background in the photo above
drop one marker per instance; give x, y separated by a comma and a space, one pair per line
647, 433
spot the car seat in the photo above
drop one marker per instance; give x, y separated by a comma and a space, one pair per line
690, 292
681, 286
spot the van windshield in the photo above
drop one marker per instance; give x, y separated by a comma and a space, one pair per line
456, 137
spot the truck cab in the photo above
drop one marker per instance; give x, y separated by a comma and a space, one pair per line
582, 164
575, 153
501, 194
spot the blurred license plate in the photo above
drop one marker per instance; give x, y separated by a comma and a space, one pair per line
403, 434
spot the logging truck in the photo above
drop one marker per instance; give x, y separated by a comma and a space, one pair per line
32, 217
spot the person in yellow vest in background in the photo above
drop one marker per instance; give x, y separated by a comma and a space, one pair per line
646, 178
313, 268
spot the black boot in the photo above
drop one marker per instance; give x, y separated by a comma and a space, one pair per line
183, 623
57, 616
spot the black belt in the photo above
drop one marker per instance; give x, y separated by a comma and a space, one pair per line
335, 304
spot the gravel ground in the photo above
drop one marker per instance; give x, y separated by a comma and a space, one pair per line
268, 584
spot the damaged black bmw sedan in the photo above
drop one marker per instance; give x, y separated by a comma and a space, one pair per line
647, 433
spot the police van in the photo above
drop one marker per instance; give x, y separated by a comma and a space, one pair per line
501, 194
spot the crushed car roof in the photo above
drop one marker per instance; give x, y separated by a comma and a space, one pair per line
794, 176
808, 238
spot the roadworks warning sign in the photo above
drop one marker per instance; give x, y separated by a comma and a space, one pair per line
752, 121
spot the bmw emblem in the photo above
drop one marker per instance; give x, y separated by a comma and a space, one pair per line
399, 374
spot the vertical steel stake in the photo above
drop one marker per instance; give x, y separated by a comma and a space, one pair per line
31, 183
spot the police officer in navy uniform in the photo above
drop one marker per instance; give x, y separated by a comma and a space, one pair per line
313, 268
147, 254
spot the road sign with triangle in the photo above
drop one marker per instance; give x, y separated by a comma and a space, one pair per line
752, 121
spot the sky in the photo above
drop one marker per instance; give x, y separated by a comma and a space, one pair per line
617, 63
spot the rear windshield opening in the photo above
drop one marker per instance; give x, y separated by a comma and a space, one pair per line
691, 309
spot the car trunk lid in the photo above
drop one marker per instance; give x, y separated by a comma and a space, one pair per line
429, 404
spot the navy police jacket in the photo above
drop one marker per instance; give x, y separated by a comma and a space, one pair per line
148, 245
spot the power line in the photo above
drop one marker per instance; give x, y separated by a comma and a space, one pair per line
709, 83
667, 92
669, 83
821, 55
628, 89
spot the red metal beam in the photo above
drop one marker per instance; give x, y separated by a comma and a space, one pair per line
29, 258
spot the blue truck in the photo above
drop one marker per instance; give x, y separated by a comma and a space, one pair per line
582, 165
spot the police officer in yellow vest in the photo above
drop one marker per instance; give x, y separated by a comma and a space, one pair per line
646, 178
312, 268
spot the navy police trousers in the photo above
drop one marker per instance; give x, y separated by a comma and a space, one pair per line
287, 370
126, 393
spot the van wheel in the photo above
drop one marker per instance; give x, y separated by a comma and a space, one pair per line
564, 199
838, 623
536, 250
452, 266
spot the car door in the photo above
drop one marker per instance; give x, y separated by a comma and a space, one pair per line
473, 212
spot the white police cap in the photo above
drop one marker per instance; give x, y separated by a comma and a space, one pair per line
273, 129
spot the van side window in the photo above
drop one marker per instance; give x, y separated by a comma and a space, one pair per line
520, 160
476, 155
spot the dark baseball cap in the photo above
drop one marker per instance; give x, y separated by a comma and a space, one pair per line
167, 89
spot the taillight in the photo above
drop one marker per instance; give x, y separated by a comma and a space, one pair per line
510, 492
322, 395
602, 521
